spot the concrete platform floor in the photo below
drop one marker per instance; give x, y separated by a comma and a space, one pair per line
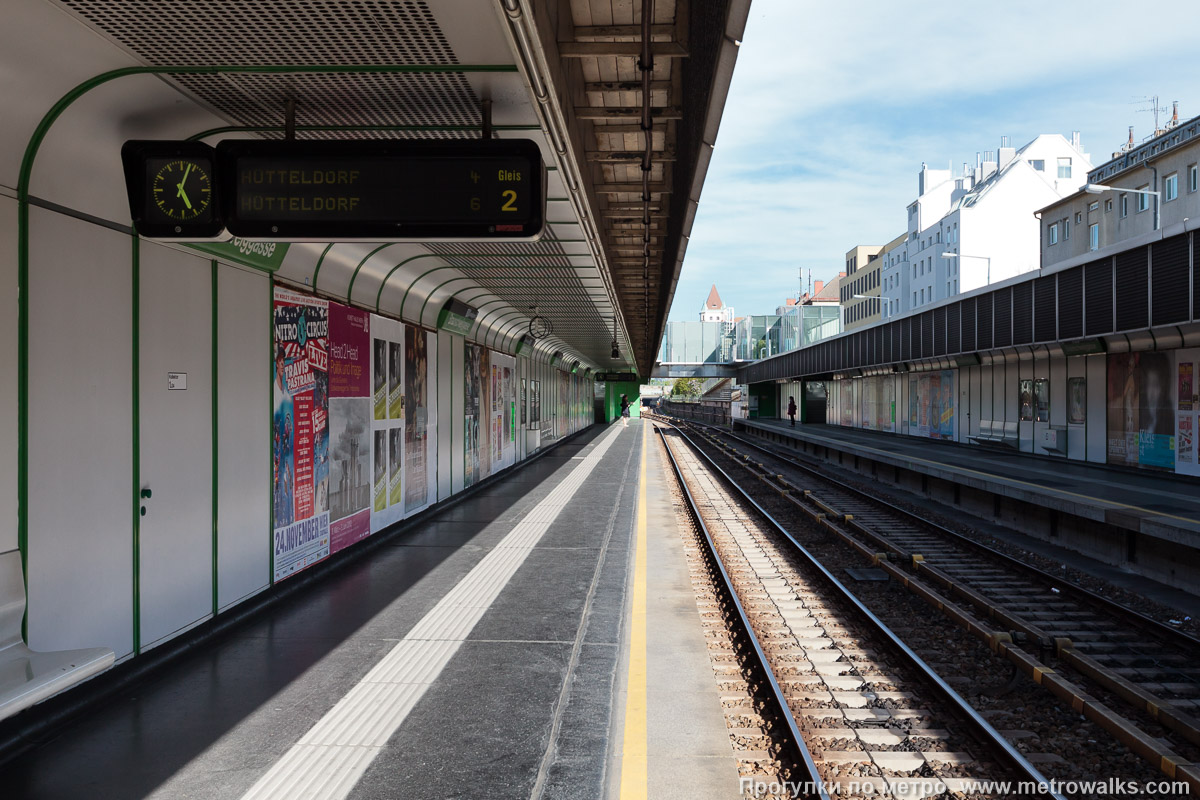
492, 651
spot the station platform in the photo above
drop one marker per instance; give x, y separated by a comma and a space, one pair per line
538, 639
1164, 506
1167, 505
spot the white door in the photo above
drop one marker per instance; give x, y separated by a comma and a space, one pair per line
175, 379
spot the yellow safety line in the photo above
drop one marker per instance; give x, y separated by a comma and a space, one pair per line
634, 768
999, 477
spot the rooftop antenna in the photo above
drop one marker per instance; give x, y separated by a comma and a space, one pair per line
1154, 107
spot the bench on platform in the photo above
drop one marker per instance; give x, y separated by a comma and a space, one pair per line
26, 676
1002, 434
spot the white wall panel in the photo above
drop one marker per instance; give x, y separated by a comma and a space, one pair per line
8, 368
449, 419
1007, 389
243, 433
456, 379
176, 533
1058, 391
987, 405
80, 435
975, 390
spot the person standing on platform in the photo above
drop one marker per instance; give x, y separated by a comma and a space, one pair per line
624, 411
792, 410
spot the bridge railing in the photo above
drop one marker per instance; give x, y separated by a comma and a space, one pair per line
714, 412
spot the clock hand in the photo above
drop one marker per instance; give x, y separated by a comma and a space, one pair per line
181, 192
182, 181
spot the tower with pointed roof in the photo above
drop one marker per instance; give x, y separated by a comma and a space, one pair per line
714, 309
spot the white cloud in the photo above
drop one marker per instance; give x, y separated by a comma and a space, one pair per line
834, 106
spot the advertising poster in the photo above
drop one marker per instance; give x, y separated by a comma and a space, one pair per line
472, 412
300, 431
379, 483
931, 405
416, 431
502, 390
349, 426
1077, 401
395, 380
564, 401
387, 425
395, 466
1186, 440
944, 382
381, 379
912, 405
506, 384
1185, 386
1141, 421
924, 406
1187, 413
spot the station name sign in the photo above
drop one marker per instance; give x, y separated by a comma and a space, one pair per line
380, 190
625, 377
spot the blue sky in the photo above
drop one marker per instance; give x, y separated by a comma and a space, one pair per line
834, 106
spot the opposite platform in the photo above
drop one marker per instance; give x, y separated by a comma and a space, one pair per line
1166, 507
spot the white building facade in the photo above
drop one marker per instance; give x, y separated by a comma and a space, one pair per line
968, 231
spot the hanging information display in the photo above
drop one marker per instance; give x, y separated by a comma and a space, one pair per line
382, 190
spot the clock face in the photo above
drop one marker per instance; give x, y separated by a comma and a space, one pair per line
181, 189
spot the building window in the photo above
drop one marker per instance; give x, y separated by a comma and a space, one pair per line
1054, 233
1193, 178
1107, 208
1066, 229
914, 298
1170, 187
1124, 206
1064, 167
1143, 199
1038, 164
1094, 236
1079, 215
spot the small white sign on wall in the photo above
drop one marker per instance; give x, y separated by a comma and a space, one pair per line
177, 381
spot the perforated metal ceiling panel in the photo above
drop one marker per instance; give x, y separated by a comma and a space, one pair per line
279, 33
293, 32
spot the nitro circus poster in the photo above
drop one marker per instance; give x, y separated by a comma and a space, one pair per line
300, 431
416, 429
349, 425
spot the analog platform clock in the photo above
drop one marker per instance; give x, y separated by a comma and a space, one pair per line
171, 192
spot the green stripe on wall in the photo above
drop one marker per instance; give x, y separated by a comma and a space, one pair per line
215, 433
137, 447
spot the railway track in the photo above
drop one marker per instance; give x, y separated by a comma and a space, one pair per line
863, 711
1136, 678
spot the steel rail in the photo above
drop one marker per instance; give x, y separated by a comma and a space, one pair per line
1172, 635
1159, 709
1008, 754
759, 663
